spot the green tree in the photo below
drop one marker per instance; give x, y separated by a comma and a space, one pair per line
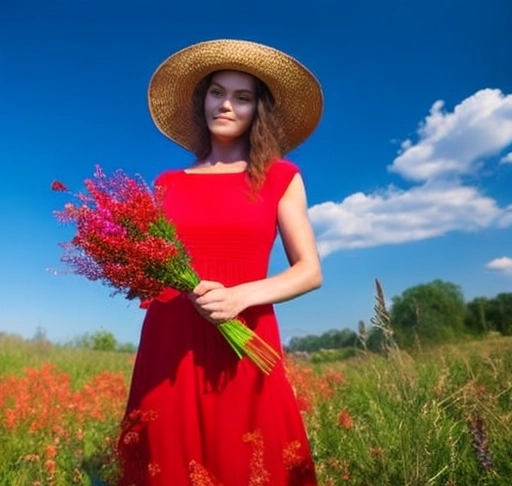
126, 348
490, 314
428, 314
476, 319
499, 313
103, 341
332, 339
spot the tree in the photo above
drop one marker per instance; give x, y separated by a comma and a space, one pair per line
484, 315
126, 348
103, 341
499, 313
332, 339
430, 313
476, 316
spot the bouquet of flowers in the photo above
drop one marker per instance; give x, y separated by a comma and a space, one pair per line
124, 240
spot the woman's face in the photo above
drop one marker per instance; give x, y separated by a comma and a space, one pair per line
230, 104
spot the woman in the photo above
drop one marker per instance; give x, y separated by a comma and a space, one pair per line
197, 414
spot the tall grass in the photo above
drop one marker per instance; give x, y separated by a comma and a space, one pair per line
415, 421
17, 354
443, 417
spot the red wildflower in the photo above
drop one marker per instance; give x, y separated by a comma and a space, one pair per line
309, 386
124, 240
345, 420
51, 451
59, 186
50, 467
44, 398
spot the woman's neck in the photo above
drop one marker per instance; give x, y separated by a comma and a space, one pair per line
215, 165
233, 151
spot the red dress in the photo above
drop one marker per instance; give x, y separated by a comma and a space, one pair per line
197, 415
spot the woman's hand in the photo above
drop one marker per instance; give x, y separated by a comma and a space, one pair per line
215, 302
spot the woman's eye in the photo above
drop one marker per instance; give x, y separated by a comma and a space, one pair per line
215, 92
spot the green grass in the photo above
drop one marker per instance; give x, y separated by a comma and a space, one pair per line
17, 354
412, 418
406, 420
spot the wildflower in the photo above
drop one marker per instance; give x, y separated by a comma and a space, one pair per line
480, 441
341, 467
125, 241
334, 378
59, 186
304, 404
50, 467
480, 390
308, 386
51, 451
31, 458
78, 476
59, 431
345, 420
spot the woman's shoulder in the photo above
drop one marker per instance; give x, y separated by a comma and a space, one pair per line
280, 174
282, 169
284, 166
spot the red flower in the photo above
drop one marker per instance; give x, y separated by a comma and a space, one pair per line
124, 240
345, 420
59, 186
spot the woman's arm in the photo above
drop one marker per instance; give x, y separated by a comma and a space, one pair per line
218, 303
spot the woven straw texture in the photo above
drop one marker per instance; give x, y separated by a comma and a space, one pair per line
297, 93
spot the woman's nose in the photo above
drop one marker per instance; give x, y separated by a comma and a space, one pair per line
226, 105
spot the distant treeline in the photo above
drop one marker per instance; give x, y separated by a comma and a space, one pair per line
100, 340
424, 315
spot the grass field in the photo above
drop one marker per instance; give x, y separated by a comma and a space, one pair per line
443, 417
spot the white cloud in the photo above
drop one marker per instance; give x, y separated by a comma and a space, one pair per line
396, 216
507, 159
450, 144
503, 264
455, 143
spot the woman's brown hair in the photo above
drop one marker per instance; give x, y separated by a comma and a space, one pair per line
265, 135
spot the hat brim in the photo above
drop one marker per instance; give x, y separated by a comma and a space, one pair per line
296, 91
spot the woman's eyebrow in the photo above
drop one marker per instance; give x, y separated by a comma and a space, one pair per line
242, 90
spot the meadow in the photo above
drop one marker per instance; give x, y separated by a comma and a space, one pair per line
441, 417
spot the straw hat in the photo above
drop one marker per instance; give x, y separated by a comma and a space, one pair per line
296, 91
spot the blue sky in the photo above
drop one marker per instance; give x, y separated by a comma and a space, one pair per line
408, 173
